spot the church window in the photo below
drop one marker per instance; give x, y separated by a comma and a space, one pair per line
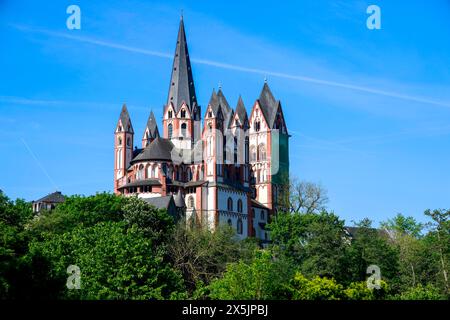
230, 223
128, 141
170, 114
257, 126
209, 114
230, 204
169, 129
120, 141
239, 205
239, 228
155, 172
253, 153
262, 152
246, 149
183, 129
191, 202
183, 113
262, 215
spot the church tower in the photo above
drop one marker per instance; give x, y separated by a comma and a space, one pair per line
181, 114
123, 146
269, 148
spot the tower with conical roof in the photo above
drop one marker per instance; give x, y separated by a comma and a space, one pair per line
123, 146
181, 114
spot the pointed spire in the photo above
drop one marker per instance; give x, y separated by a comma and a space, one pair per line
240, 110
268, 104
181, 86
152, 126
125, 119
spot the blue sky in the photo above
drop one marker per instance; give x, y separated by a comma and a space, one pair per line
368, 110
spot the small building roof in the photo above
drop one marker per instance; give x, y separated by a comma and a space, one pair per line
55, 197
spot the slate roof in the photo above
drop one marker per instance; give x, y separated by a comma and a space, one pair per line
160, 202
219, 102
181, 86
158, 149
268, 104
140, 183
258, 204
240, 111
125, 118
152, 126
55, 197
179, 200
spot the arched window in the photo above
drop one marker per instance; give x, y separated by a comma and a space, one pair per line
140, 173
183, 129
119, 141
183, 113
128, 141
169, 129
191, 202
209, 114
262, 152
239, 228
210, 128
230, 223
119, 159
257, 126
170, 114
230, 204
155, 171
262, 215
149, 172
253, 153
246, 149
239, 205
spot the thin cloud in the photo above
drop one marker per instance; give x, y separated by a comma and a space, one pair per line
234, 67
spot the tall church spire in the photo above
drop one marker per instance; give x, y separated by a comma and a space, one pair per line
181, 82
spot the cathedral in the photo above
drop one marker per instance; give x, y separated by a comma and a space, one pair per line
229, 168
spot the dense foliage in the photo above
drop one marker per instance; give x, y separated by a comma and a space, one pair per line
127, 249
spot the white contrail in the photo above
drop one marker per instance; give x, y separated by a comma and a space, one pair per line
238, 68
39, 164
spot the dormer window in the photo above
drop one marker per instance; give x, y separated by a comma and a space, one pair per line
169, 114
183, 113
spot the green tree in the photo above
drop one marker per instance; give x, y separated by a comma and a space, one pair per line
155, 223
317, 288
201, 255
316, 242
368, 247
265, 277
79, 211
116, 262
438, 246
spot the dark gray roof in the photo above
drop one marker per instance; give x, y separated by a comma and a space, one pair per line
158, 149
354, 231
268, 104
140, 183
218, 102
181, 86
160, 202
179, 200
125, 119
55, 197
241, 112
258, 204
152, 126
